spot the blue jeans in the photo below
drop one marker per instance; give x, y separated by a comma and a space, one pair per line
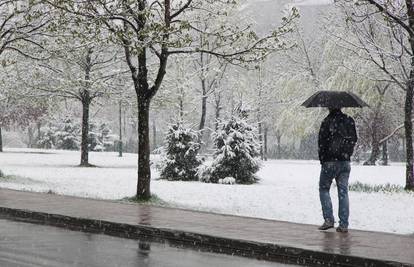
338, 170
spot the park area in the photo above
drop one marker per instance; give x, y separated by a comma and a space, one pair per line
287, 190
204, 124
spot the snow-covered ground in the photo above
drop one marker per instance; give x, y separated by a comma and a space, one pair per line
288, 190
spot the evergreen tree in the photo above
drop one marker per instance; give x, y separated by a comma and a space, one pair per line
47, 137
236, 155
105, 137
68, 136
181, 148
94, 138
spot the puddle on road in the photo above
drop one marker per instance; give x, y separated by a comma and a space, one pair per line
25, 244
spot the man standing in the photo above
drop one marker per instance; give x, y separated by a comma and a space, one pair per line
337, 138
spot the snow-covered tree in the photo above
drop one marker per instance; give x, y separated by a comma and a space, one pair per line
237, 151
81, 66
15, 109
67, 136
384, 33
181, 149
151, 32
47, 137
21, 24
100, 137
94, 138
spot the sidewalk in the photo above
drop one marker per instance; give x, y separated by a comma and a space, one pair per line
264, 239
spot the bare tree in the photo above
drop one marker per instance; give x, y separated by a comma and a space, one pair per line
21, 31
385, 31
82, 72
376, 123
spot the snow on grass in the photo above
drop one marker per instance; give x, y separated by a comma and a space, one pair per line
288, 190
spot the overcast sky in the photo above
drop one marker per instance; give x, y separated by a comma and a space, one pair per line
289, 2
300, 2
312, 2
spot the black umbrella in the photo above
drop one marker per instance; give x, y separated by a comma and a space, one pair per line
334, 99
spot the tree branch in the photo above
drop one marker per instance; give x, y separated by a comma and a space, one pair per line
389, 14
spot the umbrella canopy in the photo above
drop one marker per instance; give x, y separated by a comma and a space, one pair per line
334, 99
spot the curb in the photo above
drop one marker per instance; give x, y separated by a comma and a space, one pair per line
243, 248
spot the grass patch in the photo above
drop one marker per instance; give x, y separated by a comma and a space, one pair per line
154, 200
6, 178
18, 179
382, 188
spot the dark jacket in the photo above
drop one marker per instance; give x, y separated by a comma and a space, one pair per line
337, 137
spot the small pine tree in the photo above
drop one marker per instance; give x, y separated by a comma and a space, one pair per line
236, 155
47, 137
181, 148
105, 137
94, 138
68, 136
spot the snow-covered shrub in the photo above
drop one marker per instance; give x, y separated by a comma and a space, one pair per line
94, 142
64, 135
108, 140
383, 188
236, 153
180, 160
227, 180
95, 138
68, 135
47, 137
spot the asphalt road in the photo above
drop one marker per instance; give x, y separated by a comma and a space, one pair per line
25, 244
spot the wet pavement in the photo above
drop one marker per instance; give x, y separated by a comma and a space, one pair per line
245, 236
24, 244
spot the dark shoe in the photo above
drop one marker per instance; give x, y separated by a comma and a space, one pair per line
326, 226
342, 229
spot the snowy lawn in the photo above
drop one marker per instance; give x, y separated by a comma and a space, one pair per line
288, 190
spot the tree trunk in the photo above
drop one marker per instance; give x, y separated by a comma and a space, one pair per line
266, 130
204, 67
203, 111
259, 126
408, 108
375, 140
124, 122
30, 135
86, 101
374, 153
120, 130
384, 154
144, 171
279, 147
154, 135
1, 141
216, 123
39, 132
408, 125
375, 145
181, 106
259, 109
144, 93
